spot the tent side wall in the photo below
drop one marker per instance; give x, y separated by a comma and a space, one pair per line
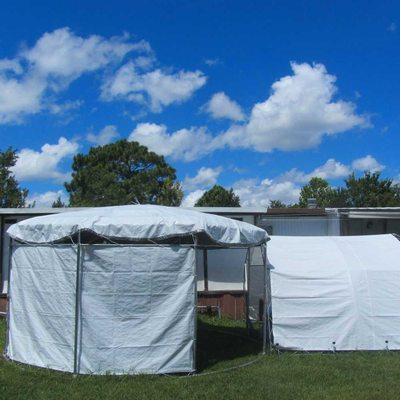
338, 293
136, 308
42, 306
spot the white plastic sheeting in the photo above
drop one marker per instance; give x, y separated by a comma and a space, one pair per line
136, 308
138, 222
336, 292
225, 269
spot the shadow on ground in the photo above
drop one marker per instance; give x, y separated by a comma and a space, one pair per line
217, 342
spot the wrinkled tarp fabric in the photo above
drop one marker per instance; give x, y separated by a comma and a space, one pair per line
136, 313
338, 293
138, 222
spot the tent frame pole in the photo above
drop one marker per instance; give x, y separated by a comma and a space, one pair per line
247, 288
265, 318
77, 297
10, 249
195, 305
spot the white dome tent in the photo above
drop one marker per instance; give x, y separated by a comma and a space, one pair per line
113, 289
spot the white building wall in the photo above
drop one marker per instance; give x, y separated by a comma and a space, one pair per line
301, 226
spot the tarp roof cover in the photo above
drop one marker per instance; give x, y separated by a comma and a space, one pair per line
138, 222
338, 293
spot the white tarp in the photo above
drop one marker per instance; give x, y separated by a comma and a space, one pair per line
138, 222
336, 292
136, 308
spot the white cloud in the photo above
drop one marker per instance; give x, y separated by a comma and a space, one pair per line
332, 169
30, 81
19, 97
61, 53
211, 62
47, 199
204, 178
255, 193
298, 113
392, 27
156, 89
105, 136
286, 187
367, 163
63, 108
44, 164
191, 199
184, 144
7, 65
221, 106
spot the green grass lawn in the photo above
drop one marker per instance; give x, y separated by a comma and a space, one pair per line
352, 376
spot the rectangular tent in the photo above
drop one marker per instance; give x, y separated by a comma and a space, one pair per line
335, 293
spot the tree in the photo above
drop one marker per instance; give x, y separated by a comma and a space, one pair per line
372, 191
58, 203
277, 204
122, 173
11, 195
218, 196
319, 189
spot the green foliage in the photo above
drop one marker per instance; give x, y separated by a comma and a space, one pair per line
277, 204
122, 173
371, 191
11, 195
218, 196
367, 191
58, 203
318, 189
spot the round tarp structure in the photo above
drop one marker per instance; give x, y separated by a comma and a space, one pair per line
113, 289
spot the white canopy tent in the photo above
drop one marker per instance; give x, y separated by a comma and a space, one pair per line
113, 289
335, 293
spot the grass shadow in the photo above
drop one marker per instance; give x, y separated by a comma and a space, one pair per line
223, 340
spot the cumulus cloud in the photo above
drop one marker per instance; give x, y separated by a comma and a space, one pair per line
286, 187
191, 199
47, 199
105, 136
221, 106
252, 192
332, 169
51, 64
156, 89
61, 53
367, 163
34, 165
183, 144
301, 109
299, 112
204, 178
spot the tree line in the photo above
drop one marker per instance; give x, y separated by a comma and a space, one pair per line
126, 172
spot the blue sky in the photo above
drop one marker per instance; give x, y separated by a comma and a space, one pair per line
259, 95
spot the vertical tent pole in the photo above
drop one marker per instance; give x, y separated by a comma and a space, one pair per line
205, 267
195, 304
247, 288
77, 296
264, 315
10, 248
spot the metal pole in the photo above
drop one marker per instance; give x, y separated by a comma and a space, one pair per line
77, 297
247, 283
195, 305
264, 315
205, 269
10, 248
